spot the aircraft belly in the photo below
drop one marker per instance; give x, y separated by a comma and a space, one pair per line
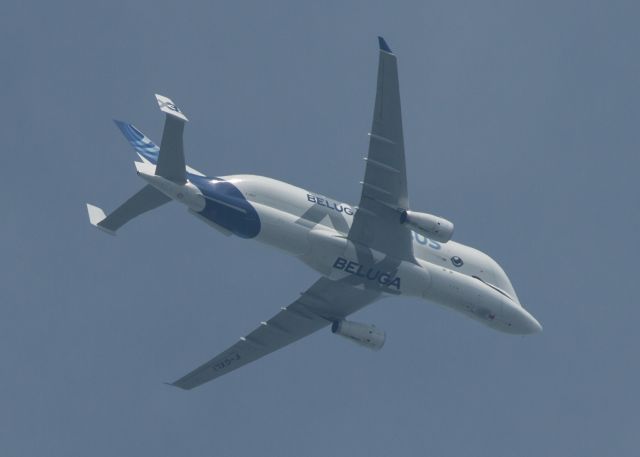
313, 228
469, 296
279, 229
339, 259
463, 259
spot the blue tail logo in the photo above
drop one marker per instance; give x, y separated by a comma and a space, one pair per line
146, 148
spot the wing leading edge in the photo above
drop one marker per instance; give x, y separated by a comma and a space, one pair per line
323, 303
376, 225
384, 189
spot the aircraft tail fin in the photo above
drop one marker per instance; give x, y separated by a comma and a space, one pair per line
169, 156
166, 161
146, 149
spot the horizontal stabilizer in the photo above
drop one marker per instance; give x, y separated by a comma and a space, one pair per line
146, 199
171, 156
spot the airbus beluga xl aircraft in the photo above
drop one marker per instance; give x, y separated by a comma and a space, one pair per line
379, 247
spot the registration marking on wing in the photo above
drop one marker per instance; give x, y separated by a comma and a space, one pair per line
226, 362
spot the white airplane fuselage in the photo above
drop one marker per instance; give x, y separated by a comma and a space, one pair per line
314, 228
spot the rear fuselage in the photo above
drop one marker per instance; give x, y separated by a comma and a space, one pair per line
314, 229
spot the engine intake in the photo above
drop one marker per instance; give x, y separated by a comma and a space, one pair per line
365, 335
433, 227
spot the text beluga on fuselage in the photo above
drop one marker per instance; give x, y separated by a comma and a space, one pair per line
322, 201
385, 279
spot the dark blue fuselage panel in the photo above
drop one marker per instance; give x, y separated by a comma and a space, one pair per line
227, 207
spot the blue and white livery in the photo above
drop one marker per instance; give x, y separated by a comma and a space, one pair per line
362, 252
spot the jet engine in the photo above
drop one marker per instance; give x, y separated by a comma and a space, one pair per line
433, 227
365, 335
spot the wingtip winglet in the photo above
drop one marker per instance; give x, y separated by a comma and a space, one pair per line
169, 107
175, 384
383, 45
96, 215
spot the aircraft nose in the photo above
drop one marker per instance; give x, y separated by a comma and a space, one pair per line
519, 321
529, 324
534, 326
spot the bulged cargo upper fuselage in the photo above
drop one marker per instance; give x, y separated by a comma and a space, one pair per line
314, 228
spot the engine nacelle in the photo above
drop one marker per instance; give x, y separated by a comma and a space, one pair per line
433, 227
365, 335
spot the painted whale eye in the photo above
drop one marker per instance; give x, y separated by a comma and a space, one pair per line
456, 261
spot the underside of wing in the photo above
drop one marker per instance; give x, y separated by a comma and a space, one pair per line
384, 188
322, 304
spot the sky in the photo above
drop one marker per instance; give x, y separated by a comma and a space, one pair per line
521, 127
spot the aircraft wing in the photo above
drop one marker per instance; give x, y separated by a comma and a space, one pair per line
326, 301
384, 189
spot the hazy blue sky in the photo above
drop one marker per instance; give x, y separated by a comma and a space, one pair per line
521, 124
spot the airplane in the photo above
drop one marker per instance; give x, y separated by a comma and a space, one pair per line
379, 248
